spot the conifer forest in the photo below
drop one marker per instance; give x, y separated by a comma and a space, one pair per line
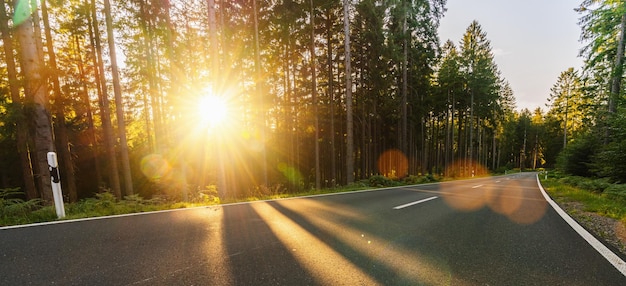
172, 97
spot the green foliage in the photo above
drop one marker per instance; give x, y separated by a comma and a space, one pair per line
263, 191
616, 191
588, 184
609, 204
380, 181
15, 210
105, 203
568, 104
571, 180
600, 23
576, 158
415, 180
610, 160
595, 185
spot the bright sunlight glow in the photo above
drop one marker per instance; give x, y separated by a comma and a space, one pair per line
212, 110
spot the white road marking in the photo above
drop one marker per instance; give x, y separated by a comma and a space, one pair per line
498, 182
615, 260
415, 203
477, 186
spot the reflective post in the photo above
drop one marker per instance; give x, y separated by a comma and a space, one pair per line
53, 165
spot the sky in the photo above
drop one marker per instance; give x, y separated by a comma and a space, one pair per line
533, 41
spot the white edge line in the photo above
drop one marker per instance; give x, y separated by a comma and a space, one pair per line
615, 260
415, 203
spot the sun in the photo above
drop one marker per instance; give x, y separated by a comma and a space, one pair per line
212, 110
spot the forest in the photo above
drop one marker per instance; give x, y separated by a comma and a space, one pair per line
174, 98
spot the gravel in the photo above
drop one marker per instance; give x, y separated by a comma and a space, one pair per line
608, 229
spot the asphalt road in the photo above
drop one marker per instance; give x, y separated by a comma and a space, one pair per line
493, 231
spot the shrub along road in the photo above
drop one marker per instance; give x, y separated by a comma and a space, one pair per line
490, 231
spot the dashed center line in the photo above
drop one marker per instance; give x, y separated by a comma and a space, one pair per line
477, 186
415, 203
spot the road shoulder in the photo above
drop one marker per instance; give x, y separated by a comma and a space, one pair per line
609, 229
608, 254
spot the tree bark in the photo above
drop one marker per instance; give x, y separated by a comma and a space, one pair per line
331, 98
67, 170
349, 119
318, 181
105, 116
119, 104
20, 124
260, 93
405, 63
91, 129
36, 89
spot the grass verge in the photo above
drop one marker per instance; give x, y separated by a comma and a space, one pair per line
605, 201
15, 211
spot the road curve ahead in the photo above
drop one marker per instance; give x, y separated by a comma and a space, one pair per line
490, 231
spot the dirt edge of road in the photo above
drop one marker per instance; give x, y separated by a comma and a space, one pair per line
609, 229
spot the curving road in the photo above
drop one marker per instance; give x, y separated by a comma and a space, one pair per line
491, 231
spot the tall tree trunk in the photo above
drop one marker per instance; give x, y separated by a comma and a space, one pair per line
565, 120
20, 125
493, 152
471, 133
405, 64
91, 129
119, 104
451, 161
260, 93
61, 129
105, 116
221, 179
36, 89
151, 98
318, 182
349, 120
331, 98
618, 67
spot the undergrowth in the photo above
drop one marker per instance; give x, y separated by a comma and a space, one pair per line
596, 195
15, 210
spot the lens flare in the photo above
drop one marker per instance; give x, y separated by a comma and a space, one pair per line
292, 174
212, 110
393, 164
154, 166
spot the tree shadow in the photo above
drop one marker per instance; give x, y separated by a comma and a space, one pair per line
254, 255
374, 260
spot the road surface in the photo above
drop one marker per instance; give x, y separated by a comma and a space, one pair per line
491, 231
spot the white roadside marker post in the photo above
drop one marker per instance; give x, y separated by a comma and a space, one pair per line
56, 184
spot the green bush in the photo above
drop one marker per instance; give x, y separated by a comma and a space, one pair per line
587, 184
616, 191
577, 158
261, 191
415, 180
572, 180
610, 159
379, 181
596, 186
15, 210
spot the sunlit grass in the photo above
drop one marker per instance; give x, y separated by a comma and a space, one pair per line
594, 202
105, 204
